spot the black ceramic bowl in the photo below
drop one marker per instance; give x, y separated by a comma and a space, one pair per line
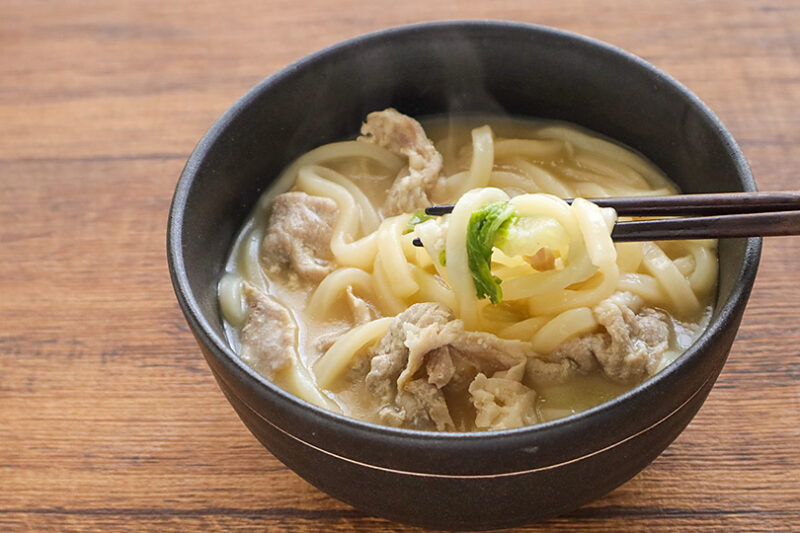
477, 480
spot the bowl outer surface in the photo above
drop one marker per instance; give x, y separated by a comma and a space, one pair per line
471, 503
430, 69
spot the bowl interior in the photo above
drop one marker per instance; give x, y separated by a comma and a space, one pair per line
435, 69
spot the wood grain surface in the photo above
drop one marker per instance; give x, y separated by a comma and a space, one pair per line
110, 419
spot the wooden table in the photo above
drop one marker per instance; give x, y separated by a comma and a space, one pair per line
110, 419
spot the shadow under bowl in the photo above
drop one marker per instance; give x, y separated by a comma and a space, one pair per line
467, 480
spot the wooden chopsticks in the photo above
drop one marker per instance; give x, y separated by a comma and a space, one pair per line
717, 215
712, 227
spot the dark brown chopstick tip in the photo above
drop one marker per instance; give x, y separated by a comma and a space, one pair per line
438, 210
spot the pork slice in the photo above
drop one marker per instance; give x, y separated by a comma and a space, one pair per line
420, 341
268, 335
572, 356
629, 349
297, 242
428, 339
484, 351
489, 352
440, 366
634, 343
390, 356
423, 404
503, 401
404, 136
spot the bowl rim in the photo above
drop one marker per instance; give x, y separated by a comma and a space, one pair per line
220, 348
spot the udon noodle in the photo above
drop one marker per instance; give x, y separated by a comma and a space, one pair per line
517, 309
